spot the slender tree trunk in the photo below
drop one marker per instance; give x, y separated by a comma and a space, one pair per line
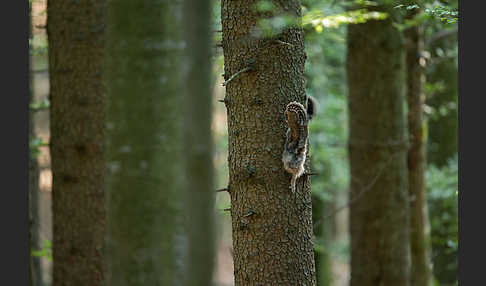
76, 49
198, 145
34, 263
35, 267
272, 228
421, 272
35, 273
379, 218
146, 245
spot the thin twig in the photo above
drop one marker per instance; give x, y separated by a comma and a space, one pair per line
249, 213
236, 74
284, 43
222, 190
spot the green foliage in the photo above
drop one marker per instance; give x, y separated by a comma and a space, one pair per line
365, 3
435, 113
435, 11
326, 75
317, 19
45, 251
326, 81
443, 13
39, 105
442, 192
34, 146
328, 147
408, 7
38, 45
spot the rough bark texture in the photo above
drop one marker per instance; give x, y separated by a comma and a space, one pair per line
421, 271
144, 122
76, 37
198, 150
319, 258
379, 219
272, 229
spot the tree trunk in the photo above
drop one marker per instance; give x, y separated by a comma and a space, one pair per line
76, 50
198, 145
146, 245
379, 218
34, 227
272, 228
421, 272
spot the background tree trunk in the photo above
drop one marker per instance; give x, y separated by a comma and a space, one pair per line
34, 227
379, 218
272, 228
76, 50
421, 272
198, 145
146, 243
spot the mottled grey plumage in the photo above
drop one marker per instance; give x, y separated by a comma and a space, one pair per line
295, 147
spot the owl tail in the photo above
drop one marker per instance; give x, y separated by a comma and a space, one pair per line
292, 183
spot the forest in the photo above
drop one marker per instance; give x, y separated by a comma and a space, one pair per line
243, 142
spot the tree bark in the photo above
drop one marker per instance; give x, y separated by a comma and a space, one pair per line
421, 272
379, 216
76, 49
272, 228
146, 244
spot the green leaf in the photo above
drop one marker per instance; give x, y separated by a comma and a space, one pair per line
38, 105
46, 251
34, 146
